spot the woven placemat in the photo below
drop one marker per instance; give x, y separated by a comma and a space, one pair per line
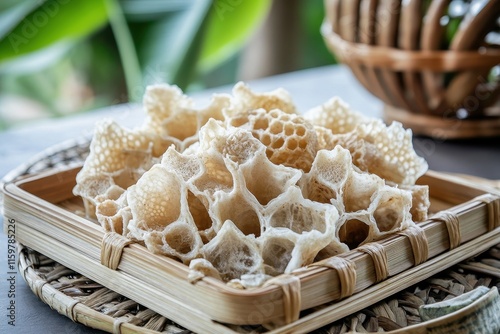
93, 305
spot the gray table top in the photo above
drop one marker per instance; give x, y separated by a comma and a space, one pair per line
309, 88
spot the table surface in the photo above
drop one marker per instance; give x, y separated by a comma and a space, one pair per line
308, 88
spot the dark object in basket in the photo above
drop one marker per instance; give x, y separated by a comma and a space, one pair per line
434, 64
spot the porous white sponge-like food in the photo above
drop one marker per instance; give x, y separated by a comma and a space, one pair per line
246, 188
375, 147
289, 139
117, 158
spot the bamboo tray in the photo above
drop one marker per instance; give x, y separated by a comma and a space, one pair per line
93, 305
44, 209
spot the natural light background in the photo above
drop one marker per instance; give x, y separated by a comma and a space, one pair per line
60, 57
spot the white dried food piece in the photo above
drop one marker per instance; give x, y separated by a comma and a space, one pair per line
248, 281
355, 229
326, 139
358, 191
240, 207
200, 268
420, 202
229, 142
157, 199
289, 139
247, 189
368, 208
213, 175
292, 211
335, 115
179, 240
328, 175
278, 178
383, 150
390, 210
113, 217
233, 254
386, 151
244, 99
312, 223
276, 247
397, 144
171, 114
198, 207
161, 217
118, 157
89, 188
186, 166
244, 158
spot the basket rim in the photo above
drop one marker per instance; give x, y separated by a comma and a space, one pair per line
72, 307
392, 58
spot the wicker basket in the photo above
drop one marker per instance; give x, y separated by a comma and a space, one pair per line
435, 84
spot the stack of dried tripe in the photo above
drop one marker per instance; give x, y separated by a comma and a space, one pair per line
247, 188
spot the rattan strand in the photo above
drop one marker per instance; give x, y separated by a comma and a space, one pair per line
493, 204
117, 324
290, 286
346, 269
112, 249
38, 287
418, 242
379, 257
70, 309
452, 226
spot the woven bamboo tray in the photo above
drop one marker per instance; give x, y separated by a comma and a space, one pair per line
94, 305
400, 52
44, 209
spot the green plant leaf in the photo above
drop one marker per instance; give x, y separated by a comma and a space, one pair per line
169, 47
126, 47
13, 12
52, 23
231, 23
149, 10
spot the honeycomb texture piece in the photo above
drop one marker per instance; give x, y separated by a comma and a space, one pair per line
113, 216
171, 114
247, 189
233, 253
383, 150
161, 216
118, 157
368, 208
420, 202
309, 224
335, 115
288, 138
244, 99
386, 151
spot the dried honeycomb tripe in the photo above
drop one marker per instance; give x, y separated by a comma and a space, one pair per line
248, 188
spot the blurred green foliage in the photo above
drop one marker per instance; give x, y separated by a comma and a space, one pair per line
66, 56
